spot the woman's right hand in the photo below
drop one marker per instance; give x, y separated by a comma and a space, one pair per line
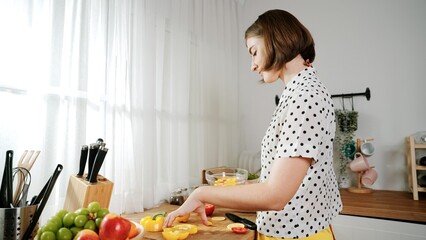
192, 204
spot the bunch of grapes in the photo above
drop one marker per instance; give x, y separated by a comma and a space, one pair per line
65, 225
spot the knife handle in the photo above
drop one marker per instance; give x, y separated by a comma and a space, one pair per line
83, 160
247, 223
6, 196
98, 163
93, 150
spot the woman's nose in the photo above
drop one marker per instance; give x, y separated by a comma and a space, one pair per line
253, 66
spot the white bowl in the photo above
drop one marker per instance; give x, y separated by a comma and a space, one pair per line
141, 231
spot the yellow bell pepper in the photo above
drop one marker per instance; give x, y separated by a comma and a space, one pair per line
153, 223
174, 234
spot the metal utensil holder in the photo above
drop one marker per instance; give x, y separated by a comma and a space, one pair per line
15, 221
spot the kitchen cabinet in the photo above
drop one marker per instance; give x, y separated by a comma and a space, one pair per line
412, 148
347, 227
381, 214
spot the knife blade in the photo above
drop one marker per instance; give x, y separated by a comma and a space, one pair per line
247, 223
98, 163
83, 160
93, 150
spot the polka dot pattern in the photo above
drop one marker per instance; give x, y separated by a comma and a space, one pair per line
303, 125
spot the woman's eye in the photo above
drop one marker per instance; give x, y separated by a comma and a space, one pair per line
254, 53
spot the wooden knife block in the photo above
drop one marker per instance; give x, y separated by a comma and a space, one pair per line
81, 192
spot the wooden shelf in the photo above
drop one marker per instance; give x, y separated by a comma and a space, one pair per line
420, 167
420, 146
413, 168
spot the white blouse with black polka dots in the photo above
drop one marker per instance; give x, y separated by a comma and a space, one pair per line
303, 125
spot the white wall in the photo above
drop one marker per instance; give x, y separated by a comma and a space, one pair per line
378, 44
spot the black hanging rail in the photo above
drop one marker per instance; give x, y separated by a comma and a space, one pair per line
367, 94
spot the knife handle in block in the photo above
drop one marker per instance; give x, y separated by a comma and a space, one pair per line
83, 160
93, 150
98, 163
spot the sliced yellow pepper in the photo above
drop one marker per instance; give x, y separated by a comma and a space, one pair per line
174, 234
153, 223
183, 219
190, 228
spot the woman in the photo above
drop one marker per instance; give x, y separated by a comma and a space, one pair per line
297, 196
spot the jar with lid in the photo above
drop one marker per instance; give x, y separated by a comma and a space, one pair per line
177, 198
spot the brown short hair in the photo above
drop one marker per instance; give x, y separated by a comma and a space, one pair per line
284, 36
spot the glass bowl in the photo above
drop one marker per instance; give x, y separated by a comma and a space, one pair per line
226, 176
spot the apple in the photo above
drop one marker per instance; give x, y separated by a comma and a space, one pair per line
86, 234
114, 227
209, 209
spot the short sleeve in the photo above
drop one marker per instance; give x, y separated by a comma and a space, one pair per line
303, 126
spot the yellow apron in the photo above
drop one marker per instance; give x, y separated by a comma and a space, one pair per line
326, 234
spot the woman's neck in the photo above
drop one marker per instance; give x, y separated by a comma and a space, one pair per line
292, 68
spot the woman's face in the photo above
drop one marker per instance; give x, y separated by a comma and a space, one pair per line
256, 49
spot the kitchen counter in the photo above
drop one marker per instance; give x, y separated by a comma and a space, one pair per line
391, 205
217, 231
382, 204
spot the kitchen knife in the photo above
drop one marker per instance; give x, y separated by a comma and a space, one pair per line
83, 160
40, 208
247, 223
98, 163
93, 150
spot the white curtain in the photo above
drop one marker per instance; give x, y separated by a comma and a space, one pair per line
156, 79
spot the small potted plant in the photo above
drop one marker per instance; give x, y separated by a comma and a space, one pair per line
253, 177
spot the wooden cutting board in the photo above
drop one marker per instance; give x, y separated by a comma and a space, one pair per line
217, 231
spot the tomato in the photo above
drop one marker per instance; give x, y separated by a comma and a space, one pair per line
232, 225
239, 230
209, 208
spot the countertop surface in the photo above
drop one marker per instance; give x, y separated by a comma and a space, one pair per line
217, 231
391, 205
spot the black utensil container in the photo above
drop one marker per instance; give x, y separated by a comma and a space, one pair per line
15, 221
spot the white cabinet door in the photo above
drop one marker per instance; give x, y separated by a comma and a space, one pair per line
355, 228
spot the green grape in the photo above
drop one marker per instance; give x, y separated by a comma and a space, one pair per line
94, 207
101, 213
75, 230
98, 221
50, 227
48, 235
82, 211
61, 213
90, 225
56, 220
68, 219
39, 232
64, 234
80, 220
